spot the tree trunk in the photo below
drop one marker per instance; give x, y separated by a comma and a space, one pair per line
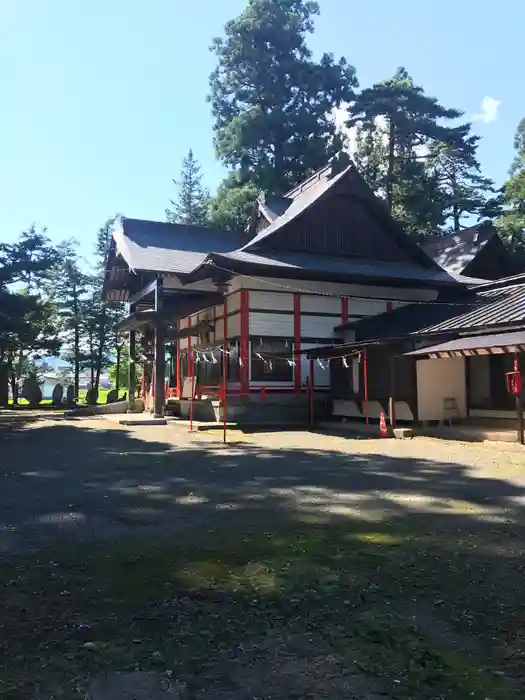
4, 386
76, 343
91, 358
390, 165
456, 212
101, 345
14, 387
76, 354
117, 373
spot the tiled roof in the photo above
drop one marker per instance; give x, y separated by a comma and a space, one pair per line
494, 308
457, 250
339, 267
272, 207
172, 248
474, 311
475, 342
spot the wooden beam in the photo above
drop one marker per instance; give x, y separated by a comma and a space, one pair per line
151, 287
132, 368
392, 399
160, 362
519, 404
297, 342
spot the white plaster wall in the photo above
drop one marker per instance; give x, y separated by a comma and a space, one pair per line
335, 288
438, 380
267, 324
272, 301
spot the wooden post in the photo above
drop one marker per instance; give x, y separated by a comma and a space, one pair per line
225, 362
392, 399
132, 368
177, 365
297, 343
311, 390
519, 404
344, 310
365, 384
244, 343
192, 365
160, 362
224, 410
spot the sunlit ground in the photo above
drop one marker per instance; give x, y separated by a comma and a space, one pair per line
261, 571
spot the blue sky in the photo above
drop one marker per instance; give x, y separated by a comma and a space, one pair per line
102, 99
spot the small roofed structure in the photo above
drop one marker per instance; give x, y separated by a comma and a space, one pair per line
477, 251
462, 351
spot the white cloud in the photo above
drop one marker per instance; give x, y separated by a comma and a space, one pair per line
489, 110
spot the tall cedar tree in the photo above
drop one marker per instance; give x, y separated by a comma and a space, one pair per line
192, 204
512, 221
271, 101
409, 123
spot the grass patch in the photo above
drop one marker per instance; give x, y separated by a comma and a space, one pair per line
425, 615
102, 398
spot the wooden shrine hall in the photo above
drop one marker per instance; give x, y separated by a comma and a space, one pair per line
216, 314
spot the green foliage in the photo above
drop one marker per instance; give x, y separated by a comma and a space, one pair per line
458, 176
271, 101
232, 206
398, 125
67, 288
512, 220
27, 330
192, 204
123, 373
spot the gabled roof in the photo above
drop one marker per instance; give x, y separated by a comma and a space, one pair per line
149, 246
455, 251
272, 206
316, 188
297, 207
171, 248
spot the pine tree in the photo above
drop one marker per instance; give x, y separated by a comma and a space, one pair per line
512, 221
410, 123
27, 331
101, 315
67, 290
192, 204
270, 100
398, 126
465, 191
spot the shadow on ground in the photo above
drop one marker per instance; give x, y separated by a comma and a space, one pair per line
227, 565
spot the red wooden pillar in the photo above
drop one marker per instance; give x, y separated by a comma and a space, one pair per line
365, 385
344, 310
297, 342
244, 344
225, 360
190, 358
177, 364
311, 390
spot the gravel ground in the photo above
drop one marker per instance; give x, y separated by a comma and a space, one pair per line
348, 567
70, 476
